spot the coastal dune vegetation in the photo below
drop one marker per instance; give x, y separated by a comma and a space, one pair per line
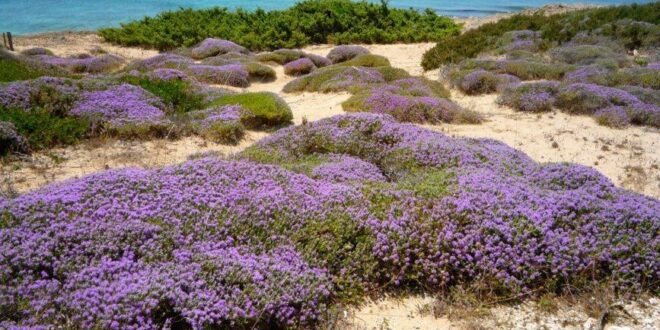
602, 62
318, 216
307, 22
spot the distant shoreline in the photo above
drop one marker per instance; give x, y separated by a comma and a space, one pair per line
469, 22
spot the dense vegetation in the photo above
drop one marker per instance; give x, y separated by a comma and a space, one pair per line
308, 22
554, 29
313, 216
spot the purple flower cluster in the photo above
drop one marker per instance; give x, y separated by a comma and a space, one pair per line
503, 220
530, 97
43, 92
520, 40
299, 67
152, 249
588, 98
228, 114
347, 169
232, 74
167, 60
482, 82
84, 64
212, 47
417, 109
344, 53
120, 105
214, 243
587, 74
168, 75
613, 116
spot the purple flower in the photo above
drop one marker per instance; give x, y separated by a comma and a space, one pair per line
299, 67
345, 52
614, 116
212, 47
167, 60
232, 74
120, 105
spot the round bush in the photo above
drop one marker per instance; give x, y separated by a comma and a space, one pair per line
299, 67
232, 74
212, 47
262, 109
345, 52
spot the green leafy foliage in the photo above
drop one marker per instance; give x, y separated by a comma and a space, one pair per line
264, 109
177, 94
44, 130
308, 22
554, 29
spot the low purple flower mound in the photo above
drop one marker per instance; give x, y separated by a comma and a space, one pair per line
237, 244
212, 47
299, 67
120, 105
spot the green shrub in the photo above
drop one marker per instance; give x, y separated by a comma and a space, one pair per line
13, 68
367, 60
554, 29
178, 95
281, 56
307, 22
260, 72
265, 109
44, 130
224, 133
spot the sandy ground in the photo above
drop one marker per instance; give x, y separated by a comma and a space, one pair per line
629, 157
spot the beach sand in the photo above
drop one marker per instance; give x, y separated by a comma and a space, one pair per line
629, 157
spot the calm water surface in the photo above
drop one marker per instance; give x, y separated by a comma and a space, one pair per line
33, 16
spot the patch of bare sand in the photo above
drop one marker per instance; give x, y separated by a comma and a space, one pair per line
97, 155
629, 157
74, 43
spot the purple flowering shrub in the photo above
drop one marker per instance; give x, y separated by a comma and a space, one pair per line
118, 255
237, 244
84, 64
335, 79
416, 100
119, 106
53, 95
299, 67
220, 124
500, 219
587, 55
614, 116
520, 40
256, 70
344, 53
481, 81
11, 142
232, 74
525, 69
161, 61
588, 98
530, 97
212, 47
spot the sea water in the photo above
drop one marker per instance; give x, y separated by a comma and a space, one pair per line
34, 16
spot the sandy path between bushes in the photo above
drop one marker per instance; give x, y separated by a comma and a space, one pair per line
629, 157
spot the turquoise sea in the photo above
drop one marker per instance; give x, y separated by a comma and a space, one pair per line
33, 16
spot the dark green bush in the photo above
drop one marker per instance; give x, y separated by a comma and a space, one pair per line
44, 130
554, 29
176, 94
308, 22
264, 109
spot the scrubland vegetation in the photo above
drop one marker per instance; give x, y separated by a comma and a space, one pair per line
598, 62
307, 22
326, 213
164, 96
